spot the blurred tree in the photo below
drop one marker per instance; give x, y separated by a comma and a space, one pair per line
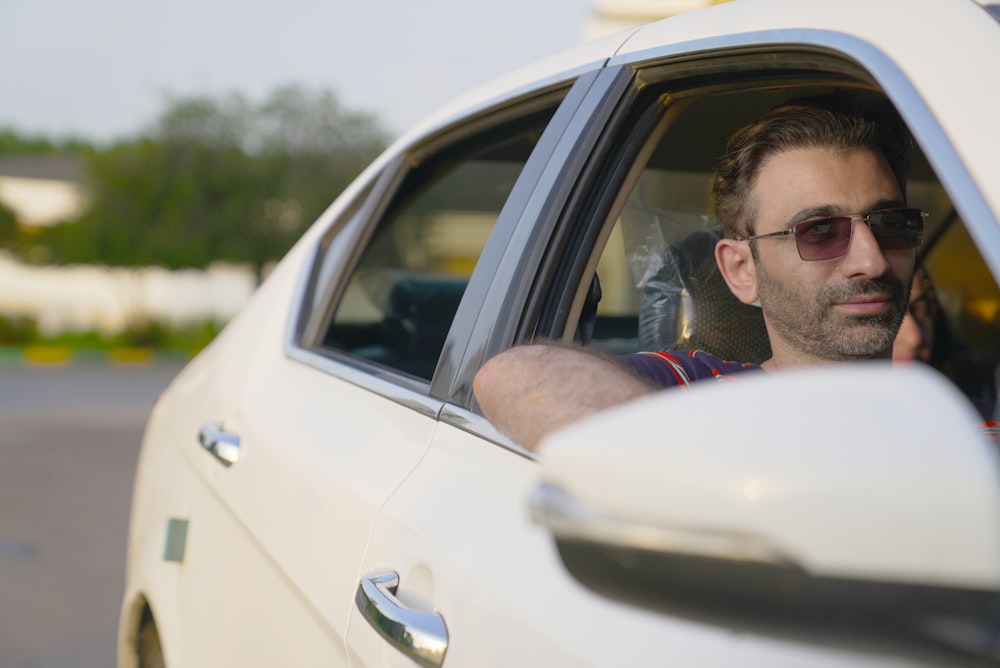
219, 179
13, 236
8, 229
13, 142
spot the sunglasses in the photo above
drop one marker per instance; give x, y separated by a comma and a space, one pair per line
827, 238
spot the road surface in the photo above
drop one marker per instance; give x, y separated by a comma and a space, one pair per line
69, 438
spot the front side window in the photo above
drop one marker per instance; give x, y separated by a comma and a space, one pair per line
660, 288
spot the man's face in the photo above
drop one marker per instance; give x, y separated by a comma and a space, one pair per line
844, 308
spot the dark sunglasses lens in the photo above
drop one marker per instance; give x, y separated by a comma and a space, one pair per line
823, 238
897, 229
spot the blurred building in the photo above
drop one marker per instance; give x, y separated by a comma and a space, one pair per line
46, 189
611, 16
42, 188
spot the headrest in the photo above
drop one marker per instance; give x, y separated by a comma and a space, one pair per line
418, 310
684, 302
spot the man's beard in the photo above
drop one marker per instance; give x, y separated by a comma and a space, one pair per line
811, 323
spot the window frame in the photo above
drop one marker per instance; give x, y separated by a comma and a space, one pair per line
337, 251
513, 295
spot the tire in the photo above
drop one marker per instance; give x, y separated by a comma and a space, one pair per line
149, 652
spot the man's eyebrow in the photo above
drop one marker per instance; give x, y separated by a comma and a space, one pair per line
820, 211
888, 204
827, 210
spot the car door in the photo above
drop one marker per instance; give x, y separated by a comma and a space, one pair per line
285, 494
456, 572
333, 406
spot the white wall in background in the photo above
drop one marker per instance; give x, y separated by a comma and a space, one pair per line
80, 298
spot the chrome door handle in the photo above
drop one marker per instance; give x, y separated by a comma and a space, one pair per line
422, 636
224, 445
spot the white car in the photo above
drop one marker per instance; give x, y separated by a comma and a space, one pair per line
319, 487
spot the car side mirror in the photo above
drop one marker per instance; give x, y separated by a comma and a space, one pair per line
852, 504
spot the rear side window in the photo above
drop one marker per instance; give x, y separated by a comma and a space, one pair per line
398, 303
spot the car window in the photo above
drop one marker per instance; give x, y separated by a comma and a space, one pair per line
660, 288
397, 305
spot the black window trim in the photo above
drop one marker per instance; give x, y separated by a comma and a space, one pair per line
506, 272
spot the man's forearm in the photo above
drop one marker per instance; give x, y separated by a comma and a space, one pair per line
529, 391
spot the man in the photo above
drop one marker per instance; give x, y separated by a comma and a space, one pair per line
811, 200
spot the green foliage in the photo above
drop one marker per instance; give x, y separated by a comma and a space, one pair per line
156, 334
218, 179
192, 338
88, 340
9, 232
17, 330
12, 142
188, 339
148, 334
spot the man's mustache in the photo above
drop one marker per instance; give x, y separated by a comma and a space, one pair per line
862, 287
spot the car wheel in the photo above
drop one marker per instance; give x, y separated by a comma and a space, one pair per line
150, 654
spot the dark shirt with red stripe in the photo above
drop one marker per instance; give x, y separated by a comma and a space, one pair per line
683, 367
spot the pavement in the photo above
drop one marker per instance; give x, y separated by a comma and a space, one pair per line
69, 438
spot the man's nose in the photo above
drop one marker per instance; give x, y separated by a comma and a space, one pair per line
864, 256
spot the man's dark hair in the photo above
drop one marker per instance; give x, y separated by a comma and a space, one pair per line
837, 121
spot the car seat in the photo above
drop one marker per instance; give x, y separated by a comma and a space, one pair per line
686, 304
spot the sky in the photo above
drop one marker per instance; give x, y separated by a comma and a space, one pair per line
104, 69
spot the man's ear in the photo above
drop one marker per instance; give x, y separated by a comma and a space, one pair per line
738, 268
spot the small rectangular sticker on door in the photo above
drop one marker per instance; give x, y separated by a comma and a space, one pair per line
173, 549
